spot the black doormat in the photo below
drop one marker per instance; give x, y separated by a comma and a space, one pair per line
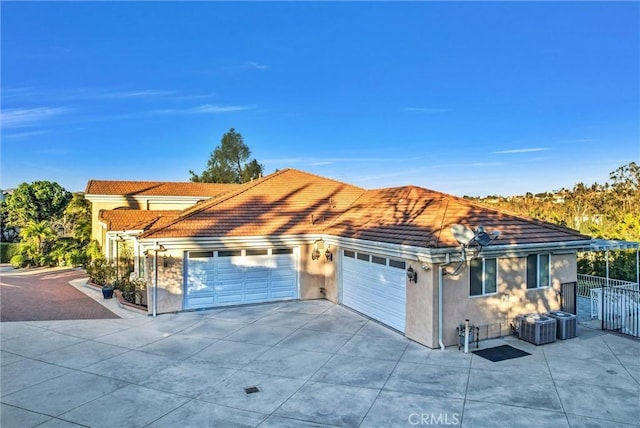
501, 353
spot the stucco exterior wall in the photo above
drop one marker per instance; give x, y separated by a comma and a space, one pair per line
422, 307
170, 281
97, 231
318, 274
133, 202
498, 310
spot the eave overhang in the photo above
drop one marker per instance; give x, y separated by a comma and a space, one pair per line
422, 254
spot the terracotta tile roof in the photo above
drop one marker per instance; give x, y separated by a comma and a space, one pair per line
157, 188
126, 219
420, 217
287, 202
293, 202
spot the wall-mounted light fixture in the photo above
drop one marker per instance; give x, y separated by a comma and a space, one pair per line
317, 246
412, 275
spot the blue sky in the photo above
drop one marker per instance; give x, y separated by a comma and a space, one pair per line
468, 98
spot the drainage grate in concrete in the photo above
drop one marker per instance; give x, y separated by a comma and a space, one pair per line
251, 390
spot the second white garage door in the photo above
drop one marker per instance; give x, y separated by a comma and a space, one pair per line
375, 286
235, 277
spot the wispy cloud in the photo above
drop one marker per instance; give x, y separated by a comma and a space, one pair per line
203, 109
20, 92
50, 152
529, 150
26, 94
211, 108
466, 165
328, 161
24, 135
22, 117
254, 65
411, 173
133, 94
246, 66
428, 109
576, 141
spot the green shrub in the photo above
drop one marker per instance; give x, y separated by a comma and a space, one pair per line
75, 258
93, 251
18, 261
101, 271
46, 260
133, 288
7, 251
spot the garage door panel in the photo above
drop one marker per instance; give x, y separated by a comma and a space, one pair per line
228, 298
203, 301
228, 287
282, 272
259, 274
283, 283
255, 297
375, 290
376, 309
282, 294
256, 285
201, 288
232, 280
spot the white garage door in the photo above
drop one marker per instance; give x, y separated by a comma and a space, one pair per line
375, 286
235, 277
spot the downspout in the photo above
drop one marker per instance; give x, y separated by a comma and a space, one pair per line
440, 279
155, 280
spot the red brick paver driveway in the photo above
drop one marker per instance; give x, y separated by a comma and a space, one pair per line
43, 295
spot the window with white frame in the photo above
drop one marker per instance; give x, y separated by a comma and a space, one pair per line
538, 271
483, 277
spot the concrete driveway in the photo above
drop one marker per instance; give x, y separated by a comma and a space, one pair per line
313, 364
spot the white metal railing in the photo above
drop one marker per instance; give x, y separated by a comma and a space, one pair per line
588, 282
621, 310
596, 299
591, 286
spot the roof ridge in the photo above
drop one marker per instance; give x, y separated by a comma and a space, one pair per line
188, 212
154, 188
444, 215
507, 213
152, 181
322, 177
344, 212
521, 217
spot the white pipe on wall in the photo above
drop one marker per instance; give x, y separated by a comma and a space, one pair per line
440, 279
466, 336
155, 280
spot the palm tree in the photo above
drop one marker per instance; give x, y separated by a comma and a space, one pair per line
37, 233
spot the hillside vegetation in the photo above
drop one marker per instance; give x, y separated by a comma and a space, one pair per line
610, 210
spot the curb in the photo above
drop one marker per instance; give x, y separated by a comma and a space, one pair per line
128, 305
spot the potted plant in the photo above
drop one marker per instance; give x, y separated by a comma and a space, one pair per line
107, 291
